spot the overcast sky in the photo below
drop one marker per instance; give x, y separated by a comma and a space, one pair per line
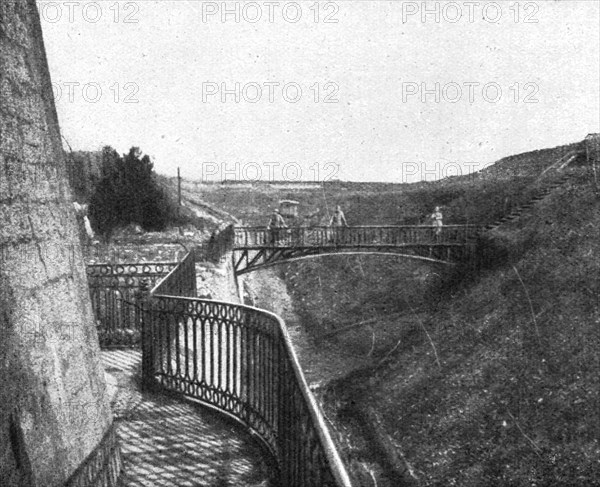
499, 78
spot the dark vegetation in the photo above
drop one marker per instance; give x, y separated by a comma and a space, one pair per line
125, 190
128, 193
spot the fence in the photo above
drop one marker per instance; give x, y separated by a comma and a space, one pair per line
113, 290
240, 360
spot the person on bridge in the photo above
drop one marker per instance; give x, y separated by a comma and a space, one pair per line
338, 222
437, 218
276, 223
338, 219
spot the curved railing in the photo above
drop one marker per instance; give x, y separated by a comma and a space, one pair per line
240, 360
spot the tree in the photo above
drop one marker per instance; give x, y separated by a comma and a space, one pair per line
128, 193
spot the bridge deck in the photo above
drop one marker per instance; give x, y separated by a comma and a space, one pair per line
169, 442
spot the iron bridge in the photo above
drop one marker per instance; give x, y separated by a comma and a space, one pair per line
257, 247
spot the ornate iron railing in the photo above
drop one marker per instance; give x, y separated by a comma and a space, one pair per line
239, 360
247, 238
113, 289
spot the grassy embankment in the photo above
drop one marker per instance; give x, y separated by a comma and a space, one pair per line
477, 379
491, 379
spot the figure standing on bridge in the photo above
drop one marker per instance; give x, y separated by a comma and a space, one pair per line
338, 222
437, 218
276, 223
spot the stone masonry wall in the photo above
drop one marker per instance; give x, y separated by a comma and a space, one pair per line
53, 406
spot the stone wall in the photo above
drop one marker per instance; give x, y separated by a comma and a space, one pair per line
53, 406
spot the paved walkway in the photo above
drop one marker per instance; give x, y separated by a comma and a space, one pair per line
171, 442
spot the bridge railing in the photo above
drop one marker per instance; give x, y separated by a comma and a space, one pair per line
239, 360
361, 236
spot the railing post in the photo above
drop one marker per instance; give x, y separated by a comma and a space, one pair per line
144, 304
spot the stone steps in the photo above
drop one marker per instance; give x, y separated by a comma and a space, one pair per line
540, 195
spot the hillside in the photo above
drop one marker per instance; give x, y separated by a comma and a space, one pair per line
478, 197
472, 378
495, 380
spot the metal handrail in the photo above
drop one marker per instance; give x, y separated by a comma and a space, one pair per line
240, 360
317, 227
355, 237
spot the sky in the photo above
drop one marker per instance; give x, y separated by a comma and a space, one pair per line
354, 90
